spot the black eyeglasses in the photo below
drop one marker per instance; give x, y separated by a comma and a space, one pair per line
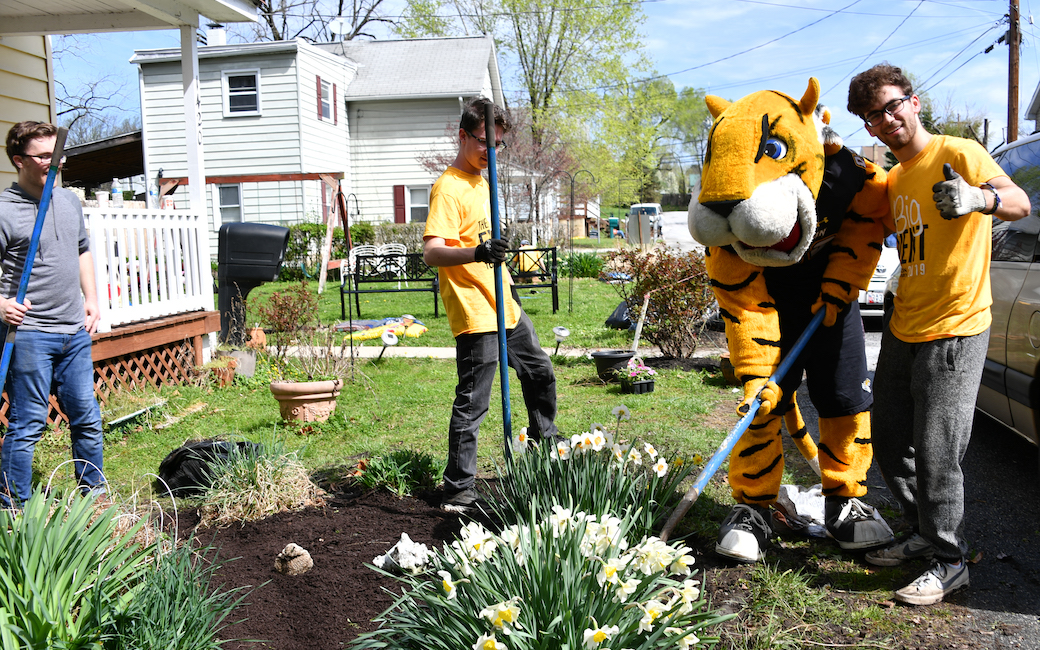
483, 141
44, 157
875, 119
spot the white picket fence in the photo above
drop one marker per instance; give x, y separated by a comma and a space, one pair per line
149, 263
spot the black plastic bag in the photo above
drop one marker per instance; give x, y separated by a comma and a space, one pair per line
188, 470
620, 319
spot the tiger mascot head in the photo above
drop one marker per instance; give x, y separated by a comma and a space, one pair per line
761, 175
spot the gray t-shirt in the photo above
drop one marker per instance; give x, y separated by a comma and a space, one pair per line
54, 284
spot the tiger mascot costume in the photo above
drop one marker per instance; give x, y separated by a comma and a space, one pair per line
791, 220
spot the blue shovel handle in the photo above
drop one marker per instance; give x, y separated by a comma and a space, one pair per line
731, 440
500, 311
34, 244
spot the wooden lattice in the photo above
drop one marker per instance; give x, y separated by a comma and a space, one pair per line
122, 360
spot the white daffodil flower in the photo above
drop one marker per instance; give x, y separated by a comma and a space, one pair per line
660, 468
626, 589
488, 642
621, 412
593, 637
504, 616
650, 451
448, 585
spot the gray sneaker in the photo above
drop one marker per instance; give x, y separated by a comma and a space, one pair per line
913, 548
855, 524
745, 533
934, 583
461, 502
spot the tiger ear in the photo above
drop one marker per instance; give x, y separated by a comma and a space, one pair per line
811, 97
716, 104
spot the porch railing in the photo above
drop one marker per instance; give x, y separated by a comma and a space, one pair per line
149, 263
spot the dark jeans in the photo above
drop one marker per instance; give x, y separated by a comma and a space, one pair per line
476, 357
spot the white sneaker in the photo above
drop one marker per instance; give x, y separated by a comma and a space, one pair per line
934, 583
744, 533
855, 524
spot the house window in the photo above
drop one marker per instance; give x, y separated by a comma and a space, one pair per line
418, 203
327, 109
241, 93
230, 203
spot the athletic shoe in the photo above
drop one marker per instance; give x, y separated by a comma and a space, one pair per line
854, 524
744, 533
461, 502
912, 548
934, 583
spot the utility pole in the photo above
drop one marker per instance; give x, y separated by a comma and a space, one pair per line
1014, 40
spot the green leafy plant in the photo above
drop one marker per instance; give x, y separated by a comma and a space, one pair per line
581, 265
404, 472
255, 482
362, 233
594, 472
567, 580
680, 295
303, 251
636, 370
288, 314
176, 606
65, 570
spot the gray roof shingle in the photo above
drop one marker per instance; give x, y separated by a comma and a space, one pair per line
417, 67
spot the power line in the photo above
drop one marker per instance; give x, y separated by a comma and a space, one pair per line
885, 40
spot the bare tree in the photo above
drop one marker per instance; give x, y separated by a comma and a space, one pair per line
91, 109
283, 20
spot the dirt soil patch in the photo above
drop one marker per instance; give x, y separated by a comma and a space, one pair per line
336, 601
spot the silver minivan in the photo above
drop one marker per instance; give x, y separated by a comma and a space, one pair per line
1010, 391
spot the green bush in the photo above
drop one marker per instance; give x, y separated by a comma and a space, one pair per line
680, 295
303, 252
581, 265
362, 233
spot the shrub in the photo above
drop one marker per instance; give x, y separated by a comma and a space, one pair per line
403, 472
362, 233
680, 295
303, 252
581, 265
288, 313
409, 234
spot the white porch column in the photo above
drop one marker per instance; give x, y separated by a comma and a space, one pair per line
193, 118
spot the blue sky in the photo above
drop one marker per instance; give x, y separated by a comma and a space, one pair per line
735, 47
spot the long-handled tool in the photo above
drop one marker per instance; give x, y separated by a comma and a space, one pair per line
34, 243
731, 440
496, 233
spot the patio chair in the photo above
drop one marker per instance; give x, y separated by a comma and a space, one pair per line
346, 271
395, 265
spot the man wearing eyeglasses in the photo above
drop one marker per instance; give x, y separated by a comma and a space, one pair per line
54, 323
943, 194
458, 241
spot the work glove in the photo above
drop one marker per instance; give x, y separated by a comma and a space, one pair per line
770, 396
955, 198
492, 251
834, 299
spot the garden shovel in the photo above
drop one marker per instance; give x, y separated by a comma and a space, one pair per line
496, 233
34, 243
731, 440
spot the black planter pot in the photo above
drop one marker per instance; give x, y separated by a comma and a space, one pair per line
610, 362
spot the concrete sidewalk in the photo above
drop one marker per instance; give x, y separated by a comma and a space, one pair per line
371, 351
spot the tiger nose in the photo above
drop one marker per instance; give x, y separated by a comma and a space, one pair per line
722, 208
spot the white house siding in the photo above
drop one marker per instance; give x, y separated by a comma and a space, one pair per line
26, 88
386, 140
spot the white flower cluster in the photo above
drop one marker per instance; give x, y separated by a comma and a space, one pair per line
619, 569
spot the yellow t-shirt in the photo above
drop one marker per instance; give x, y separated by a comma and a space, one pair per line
944, 286
460, 213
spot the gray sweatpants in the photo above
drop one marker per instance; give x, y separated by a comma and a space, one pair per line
924, 406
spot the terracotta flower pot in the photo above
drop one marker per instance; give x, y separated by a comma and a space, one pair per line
306, 401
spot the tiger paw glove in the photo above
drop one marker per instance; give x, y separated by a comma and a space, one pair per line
835, 298
765, 390
954, 197
492, 251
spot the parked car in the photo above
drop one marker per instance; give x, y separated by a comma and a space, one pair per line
1010, 390
652, 209
872, 301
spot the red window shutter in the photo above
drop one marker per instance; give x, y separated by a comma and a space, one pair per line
335, 106
319, 97
399, 216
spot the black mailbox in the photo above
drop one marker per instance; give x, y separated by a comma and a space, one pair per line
248, 254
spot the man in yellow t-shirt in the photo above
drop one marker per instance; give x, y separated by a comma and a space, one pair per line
458, 241
942, 193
